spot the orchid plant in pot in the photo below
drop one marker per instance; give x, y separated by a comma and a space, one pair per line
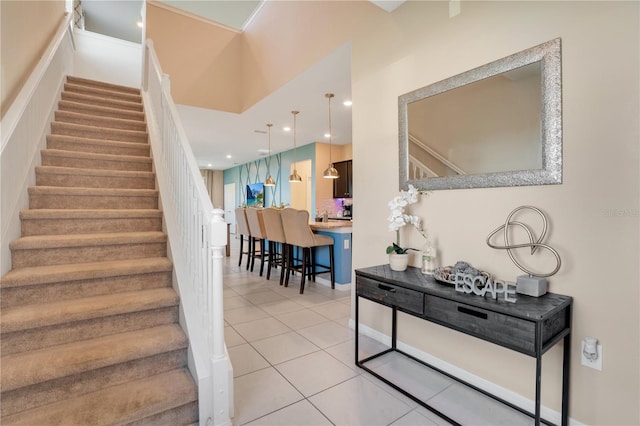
398, 255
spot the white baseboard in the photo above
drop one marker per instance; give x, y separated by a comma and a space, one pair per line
326, 282
494, 389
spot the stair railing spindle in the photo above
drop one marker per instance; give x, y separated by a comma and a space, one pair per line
197, 236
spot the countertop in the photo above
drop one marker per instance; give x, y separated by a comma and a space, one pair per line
339, 226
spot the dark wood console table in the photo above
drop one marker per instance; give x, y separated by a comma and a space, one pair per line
531, 326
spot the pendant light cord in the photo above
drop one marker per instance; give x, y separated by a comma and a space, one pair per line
294, 138
330, 95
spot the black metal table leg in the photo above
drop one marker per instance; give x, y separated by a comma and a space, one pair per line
566, 357
356, 327
394, 327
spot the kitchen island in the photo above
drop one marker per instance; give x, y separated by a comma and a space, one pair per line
340, 231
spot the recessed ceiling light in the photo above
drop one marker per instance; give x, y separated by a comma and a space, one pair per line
326, 135
286, 129
209, 165
347, 103
139, 24
228, 155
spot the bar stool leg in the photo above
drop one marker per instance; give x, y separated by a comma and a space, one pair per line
331, 269
312, 265
270, 258
262, 250
290, 259
283, 261
241, 244
306, 254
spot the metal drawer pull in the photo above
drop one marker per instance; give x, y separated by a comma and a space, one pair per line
472, 312
386, 288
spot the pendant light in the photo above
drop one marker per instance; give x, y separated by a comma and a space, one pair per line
331, 172
269, 181
294, 177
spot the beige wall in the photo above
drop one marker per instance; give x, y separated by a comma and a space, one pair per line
214, 182
594, 213
290, 36
26, 28
202, 59
213, 67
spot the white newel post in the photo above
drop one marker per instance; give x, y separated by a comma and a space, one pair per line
219, 363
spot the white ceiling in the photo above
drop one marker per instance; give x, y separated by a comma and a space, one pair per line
115, 18
215, 134
232, 13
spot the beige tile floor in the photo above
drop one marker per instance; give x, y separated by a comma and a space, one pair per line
293, 363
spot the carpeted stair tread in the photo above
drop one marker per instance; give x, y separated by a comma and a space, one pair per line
38, 275
88, 221
62, 158
90, 172
28, 368
26, 317
102, 84
116, 192
100, 121
102, 92
121, 404
96, 100
89, 317
100, 111
90, 178
56, 197
92, 132
42, 214
82, 240
97, 146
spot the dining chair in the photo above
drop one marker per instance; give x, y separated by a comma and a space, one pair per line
298, 233
258, 235
277, 242
242, 230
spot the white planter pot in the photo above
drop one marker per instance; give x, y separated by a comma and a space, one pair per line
398, 262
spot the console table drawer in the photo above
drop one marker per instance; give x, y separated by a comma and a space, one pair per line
389, 294
512, 332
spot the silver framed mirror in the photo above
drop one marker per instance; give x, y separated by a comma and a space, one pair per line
496, 125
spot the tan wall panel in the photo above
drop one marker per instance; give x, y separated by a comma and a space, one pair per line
27, 28
202, 59
229, 71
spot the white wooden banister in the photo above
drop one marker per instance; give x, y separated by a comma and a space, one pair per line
435, 155
23, 131
198, 236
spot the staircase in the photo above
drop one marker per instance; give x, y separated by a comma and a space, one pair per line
89, 318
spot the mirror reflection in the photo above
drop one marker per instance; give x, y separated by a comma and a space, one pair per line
497, 125
491, 125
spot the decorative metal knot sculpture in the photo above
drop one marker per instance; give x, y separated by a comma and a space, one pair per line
535, 283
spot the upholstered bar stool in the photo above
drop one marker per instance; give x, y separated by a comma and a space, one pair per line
298, 233
258, 235
242, 230
277, 243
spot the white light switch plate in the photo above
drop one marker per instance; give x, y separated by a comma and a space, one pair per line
346, 244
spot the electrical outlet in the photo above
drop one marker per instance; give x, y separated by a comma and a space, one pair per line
596, 364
